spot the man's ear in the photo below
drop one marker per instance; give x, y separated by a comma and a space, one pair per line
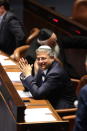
52, 57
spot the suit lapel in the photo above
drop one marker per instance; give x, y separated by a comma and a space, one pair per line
3, 22
39, 75
51, 66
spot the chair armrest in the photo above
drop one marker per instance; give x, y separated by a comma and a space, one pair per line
71, 120
70, 117
19, 52
75, 83
33, 34
75, 80
66, 110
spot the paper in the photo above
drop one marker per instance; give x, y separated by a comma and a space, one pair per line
7, 62
38, 110
24, 94
38, 115
3, 57
14, 76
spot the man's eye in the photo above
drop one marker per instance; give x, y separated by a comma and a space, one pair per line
42, 58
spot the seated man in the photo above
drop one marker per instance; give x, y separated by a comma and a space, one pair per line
59, 42
50, 81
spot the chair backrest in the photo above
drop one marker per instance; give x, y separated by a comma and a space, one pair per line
79, 11
82, 82
75, 83
19, 52
32, 35
68, 115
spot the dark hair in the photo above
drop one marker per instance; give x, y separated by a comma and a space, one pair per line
5, 4
45, 34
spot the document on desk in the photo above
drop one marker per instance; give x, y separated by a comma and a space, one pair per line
24, 94
6, 62
14, 76
3, 57
38, 115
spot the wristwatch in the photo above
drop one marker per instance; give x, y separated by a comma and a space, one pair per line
22, 76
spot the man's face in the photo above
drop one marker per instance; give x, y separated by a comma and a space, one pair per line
44, 60
2, 10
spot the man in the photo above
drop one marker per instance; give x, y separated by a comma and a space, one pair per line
11, 31
81, 120
70, 58
45, 37
50, 80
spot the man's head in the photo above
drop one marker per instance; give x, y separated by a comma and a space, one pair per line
47, 37
44, 56
4, 7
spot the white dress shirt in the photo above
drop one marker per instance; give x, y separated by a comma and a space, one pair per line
1, 17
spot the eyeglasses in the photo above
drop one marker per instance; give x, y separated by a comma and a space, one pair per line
41, 58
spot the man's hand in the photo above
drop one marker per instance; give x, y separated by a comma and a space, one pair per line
36, 67
25, 67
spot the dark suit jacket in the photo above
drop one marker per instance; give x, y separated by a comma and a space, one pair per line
11, 33
81, 120
57, 87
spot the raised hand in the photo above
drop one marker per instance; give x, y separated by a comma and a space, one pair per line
25, 67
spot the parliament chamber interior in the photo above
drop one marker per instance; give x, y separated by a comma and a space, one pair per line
43, 17
17, 113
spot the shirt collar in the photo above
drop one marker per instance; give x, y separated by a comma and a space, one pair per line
45, 71
1, 17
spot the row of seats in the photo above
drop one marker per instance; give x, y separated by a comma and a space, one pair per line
79, 15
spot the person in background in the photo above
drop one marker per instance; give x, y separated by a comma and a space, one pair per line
50, 81
81, 119
17, 6
11, 31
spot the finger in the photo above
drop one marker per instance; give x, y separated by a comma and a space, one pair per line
26, 61
22, 62
32, 66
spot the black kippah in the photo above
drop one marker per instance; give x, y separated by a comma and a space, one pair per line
45, 34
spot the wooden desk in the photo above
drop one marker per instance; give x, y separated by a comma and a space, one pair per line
12, 108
